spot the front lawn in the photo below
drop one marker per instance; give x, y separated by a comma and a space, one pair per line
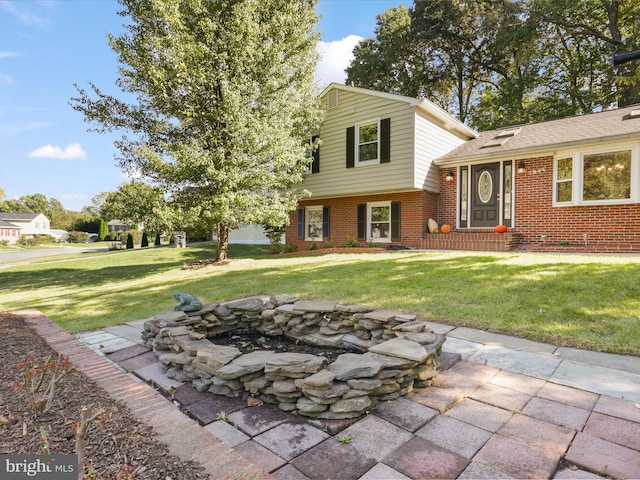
582, 301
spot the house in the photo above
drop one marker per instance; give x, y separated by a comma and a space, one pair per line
27, 224
571, 184
387, 164
9, 232
246, 235
373, 180
118, 226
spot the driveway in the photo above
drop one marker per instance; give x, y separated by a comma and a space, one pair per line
18, 255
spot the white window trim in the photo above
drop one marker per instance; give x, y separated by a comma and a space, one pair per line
307, 210
373, 161
370, 237
578, 179
574, 173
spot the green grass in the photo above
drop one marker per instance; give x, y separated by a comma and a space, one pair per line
581, 301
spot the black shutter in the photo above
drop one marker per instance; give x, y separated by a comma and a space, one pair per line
325, 222
395, 222
315, 164
301, 223
351, 146
385, 140
362, 221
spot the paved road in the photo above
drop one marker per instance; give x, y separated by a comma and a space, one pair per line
18, 255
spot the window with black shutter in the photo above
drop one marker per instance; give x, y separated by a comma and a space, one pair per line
315, 156
369, 143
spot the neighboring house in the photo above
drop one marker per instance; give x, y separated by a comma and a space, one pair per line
9, 232
117, 226
27, 223
59, 235
373, 178
248, 234
567, 184
388, 163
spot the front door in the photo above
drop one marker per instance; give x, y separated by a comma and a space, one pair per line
485, 195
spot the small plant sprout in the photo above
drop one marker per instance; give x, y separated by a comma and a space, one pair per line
224, 417
345, 438
39, 381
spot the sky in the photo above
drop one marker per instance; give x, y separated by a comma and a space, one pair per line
47, 46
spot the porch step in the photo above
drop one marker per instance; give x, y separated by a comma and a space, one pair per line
475, 241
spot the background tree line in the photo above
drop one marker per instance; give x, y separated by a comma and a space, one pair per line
494, 63
60, 218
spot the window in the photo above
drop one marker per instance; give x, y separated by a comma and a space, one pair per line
379, 222
607, 176
367, 136
598, 177
369, 143
564, 180
313, 223
314, 166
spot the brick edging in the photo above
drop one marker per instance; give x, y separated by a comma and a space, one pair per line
147, 405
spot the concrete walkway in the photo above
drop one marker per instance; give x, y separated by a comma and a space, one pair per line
501, 407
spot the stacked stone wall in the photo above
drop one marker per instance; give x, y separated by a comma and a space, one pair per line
398, 352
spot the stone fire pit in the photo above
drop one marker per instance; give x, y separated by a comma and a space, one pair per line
398, 353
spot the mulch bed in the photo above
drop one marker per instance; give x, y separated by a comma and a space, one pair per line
118, 440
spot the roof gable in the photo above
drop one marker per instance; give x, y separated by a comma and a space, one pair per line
610, 125
431, 109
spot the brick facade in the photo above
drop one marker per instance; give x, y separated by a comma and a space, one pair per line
544, 227
416, 208
608, 228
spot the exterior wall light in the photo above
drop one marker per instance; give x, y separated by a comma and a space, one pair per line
521, 167
449, 176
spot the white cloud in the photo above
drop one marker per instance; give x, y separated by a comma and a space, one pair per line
6, 79
336, 57
71, 152
9, 54
27, 15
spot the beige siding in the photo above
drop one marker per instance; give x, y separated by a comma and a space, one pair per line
432, 141
334, 179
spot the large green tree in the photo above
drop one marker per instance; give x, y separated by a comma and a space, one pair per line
137, 202
500, 62
225, 105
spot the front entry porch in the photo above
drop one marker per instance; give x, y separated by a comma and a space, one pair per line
475, 240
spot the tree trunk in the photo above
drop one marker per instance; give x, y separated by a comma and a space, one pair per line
223, 242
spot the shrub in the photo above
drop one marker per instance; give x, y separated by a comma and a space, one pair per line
103, 230
129, 241
313, 246
351, 242
274, 234
38, 380
78, 237
136, 234
158, 242
290, 248
145, 240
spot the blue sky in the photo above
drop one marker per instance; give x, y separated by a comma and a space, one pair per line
48, 45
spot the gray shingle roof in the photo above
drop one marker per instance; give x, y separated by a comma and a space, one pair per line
609, 125
5, 224
27, 217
